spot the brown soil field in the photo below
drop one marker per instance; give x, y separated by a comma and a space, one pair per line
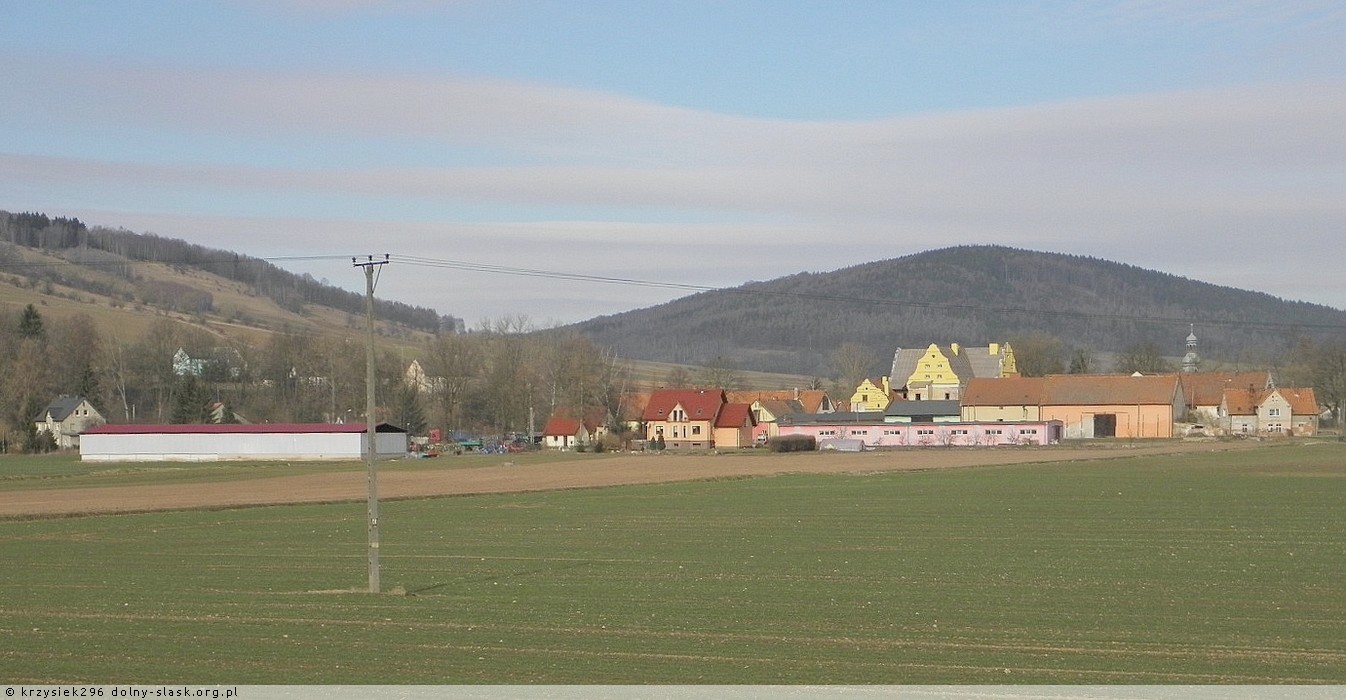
507, 477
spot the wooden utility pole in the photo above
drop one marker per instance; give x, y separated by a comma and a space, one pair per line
371, 446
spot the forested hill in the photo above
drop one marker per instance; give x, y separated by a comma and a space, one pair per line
113, 250
971, 295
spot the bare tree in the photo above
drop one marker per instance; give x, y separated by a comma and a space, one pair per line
851, 363
722, 372
678, 378
1145, 358
1038, 354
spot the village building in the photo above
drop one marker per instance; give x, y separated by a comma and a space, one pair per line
1269, 412
940, 372
266, 441
66, 419
769, 406
566, 431
697, 419
871, 431
1088, 405
873, 394
1203, 392
923, 412
416, 378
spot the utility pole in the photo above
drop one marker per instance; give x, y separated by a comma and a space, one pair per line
371, 447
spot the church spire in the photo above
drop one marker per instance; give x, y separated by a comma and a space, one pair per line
1191, 359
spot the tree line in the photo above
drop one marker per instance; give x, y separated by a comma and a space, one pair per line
503, 377
500, 378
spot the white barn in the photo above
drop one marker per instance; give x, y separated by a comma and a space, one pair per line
216, 442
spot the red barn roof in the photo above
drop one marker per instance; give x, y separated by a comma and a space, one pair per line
236, 428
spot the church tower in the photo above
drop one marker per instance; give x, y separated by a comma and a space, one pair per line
1191, 359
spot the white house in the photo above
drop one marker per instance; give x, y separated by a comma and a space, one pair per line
215, 442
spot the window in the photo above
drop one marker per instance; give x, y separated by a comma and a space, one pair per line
696, 430
1274, 412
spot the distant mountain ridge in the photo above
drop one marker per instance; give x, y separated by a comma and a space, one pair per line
966, 294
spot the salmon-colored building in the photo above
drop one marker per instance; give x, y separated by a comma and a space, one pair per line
1088, 405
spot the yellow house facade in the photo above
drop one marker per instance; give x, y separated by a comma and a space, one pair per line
872, 395
941, 372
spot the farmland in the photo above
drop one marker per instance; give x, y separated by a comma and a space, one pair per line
1198, 567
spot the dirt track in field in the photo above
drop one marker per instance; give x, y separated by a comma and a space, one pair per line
506, 477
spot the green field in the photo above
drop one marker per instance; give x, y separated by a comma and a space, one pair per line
1207, 568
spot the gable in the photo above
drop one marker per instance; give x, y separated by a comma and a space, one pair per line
1301, 401
735, 415
699, 404
63, 407
561, 426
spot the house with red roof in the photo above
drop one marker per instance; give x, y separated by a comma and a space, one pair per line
697, 419
1204, 391
564, 431
1269, 411
769, 406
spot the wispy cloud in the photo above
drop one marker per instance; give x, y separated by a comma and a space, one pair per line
614, 181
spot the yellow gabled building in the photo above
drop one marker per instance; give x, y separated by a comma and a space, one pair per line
872, 395
939, 372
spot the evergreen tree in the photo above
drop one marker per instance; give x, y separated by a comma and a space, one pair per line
30, 323
410, 413
189, 402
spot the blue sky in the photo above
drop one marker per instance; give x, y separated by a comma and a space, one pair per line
700, 143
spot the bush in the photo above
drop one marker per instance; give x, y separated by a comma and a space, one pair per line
792, 443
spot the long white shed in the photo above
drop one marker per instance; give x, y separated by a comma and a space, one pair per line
216, 442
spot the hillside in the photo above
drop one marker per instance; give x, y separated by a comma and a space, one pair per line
969, 294
124, 281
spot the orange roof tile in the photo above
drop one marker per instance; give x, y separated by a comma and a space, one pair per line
1005, 391
700, 404
1105, 389
1207, 388
735, 415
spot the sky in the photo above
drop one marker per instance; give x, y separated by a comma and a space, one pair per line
507, 153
